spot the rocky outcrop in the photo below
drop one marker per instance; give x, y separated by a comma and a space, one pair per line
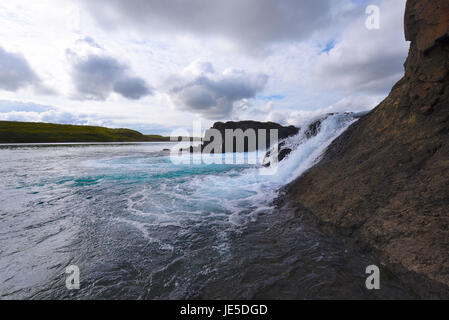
283, 133
385, 181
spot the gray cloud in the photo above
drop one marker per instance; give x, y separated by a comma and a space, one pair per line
250, 23
214, 95
374, 76
15, 72
132, 88
95, 77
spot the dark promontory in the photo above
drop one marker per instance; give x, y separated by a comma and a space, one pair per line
221, 127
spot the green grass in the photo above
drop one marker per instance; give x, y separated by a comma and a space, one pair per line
30, 132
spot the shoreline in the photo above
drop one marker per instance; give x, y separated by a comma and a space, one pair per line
20, 144
12, 132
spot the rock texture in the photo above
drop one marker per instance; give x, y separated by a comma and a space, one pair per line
283, 132
385, 181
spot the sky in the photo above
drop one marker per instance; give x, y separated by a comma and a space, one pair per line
158, 66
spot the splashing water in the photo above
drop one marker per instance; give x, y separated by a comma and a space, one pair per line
306, 151
139, 226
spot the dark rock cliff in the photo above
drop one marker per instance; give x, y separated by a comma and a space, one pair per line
385, 181
283, 132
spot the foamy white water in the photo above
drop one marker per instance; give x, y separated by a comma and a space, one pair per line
307, 151
140, 226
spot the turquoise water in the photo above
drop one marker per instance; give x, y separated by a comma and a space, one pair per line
139, 226
74, 204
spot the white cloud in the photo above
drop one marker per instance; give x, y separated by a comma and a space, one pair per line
353, 104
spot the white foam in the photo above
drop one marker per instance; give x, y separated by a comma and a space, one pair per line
228, 195
306, 152
142, 227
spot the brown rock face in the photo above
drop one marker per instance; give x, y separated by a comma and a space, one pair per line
385, 181
425, 25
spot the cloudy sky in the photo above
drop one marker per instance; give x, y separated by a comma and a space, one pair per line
156, 66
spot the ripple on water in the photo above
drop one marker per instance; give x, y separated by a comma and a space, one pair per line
140, 227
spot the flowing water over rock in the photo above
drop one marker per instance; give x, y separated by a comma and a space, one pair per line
140, 227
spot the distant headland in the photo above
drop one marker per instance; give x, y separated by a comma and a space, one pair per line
32, 132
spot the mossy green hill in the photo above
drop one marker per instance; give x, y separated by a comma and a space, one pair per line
31, 132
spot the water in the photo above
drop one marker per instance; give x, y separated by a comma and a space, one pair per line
140, 227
